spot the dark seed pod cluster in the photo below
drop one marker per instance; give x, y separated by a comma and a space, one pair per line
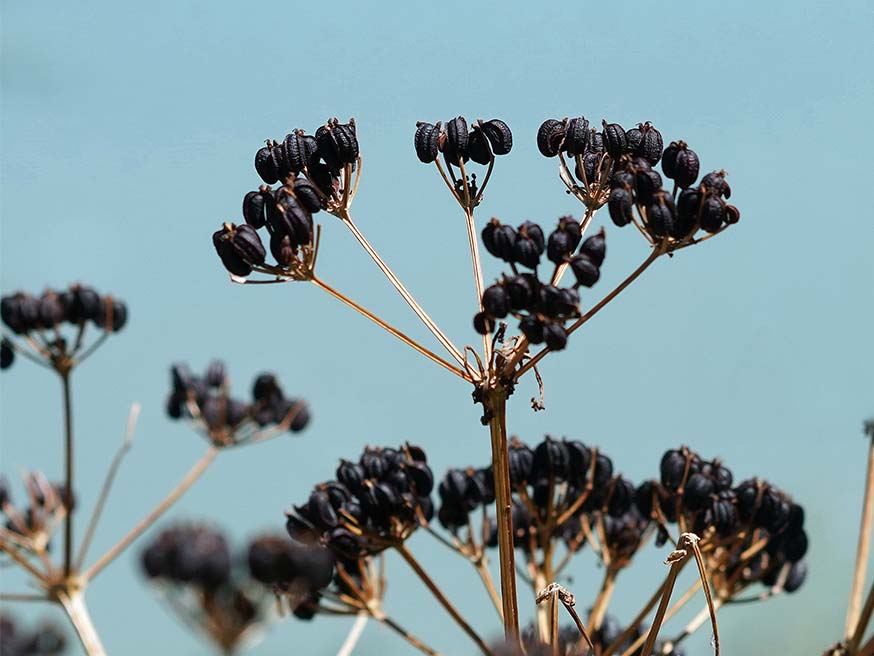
376, 502
226, 592
701, 496
35, 520
45, 639
541, 307
459, 143
228, 420
76, 305
308, 169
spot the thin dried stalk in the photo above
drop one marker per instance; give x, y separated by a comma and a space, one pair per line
74, 605
354, 635
862, 549
68, 471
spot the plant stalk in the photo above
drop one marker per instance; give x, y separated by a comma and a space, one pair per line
862, 549
68, 472
77, 611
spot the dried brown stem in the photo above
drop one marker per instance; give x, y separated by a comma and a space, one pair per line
862, 622
401, 631
862, 549
68, 471
389, 328
181, 488
74, 605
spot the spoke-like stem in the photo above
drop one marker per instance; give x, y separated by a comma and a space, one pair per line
504, 513
862, 622
68, 472
406, 635
656, 252
354, 635
863, 547
441, 598
477, 277
181, 488
398, 285
21, 559
389, 328
107, 484
602, 601
22, 596
485, 575
663, 606
74, 605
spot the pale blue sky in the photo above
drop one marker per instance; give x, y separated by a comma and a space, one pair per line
127, 136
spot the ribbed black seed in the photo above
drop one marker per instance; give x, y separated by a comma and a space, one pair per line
268, 163
549, 137
499, 135
595, 248
483, 323
300, 149
495, 301
477, 147
576, 137
455, 147
309, 195
426, 141
661, 215
585, 271
521, 292
614, 139
499, 239
620, 207
681, 164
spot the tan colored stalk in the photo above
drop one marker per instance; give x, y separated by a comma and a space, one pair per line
863, 547
74, 605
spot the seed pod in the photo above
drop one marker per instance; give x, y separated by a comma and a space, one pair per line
483, 323
7, 357
231, 260
620, 207
346, 137
697, 491
495, 301
344, 543
499, 135
732, 214
715, 183
614, 139
426, 141
268, 162
118, 318
633, 140
661, 215
558, 303
300, 150
646, 184
595, 248
421, 478
532, 328
328, 149
713, 214
87, 305
477, 147
10, 312
587, 272
549, 137
795, 546
576, 136
247, 245
254, 207
534, 232
723, 514
622, 179
555, 336
51, 311
322, 178
499, 239
650, 144
590, 172
551, 459
308, 195
688, 207
563, 240
672, 467
681, 164
621, 497
282, 249
291, 218
520, 461
455, 147
521, 292
796, 577
596, 142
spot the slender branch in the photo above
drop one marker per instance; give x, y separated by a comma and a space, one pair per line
663, 605
656, 252
477, 276
389, 328
91, 349
438, 594
406, 635
602, 601
22, 596
580, 627
107, 484
354, 635
68, 472
346, 218
862, 548
862, 622
21, 559
181, 488
74, 605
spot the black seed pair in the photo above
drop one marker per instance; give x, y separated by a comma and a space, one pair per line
76, 305
276, 559
334, 145
458, 144
239, 247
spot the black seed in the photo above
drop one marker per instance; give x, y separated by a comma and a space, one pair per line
633, 140
673, 466
651, 144
681, 164
346, 138
716, 183
254, 207
266, 388
51, 310
661, 215
614, 139
595, 248
291, 218
477, 147
688, 206
7, 354
532, 328
526, 251
426, 142
521, 292
499, 239
308, 195
455, 148
713, 214
119, 315
555, 336
300, 150
322, 177
549, 137
267, 163
563, 240
586, 271
576, 137
796, 577
495, 301
229, 257
247, 245
795, 546
282, 249
646, 184
483, 323
732, 214
697, 491
559, 303
620, 207
499, 135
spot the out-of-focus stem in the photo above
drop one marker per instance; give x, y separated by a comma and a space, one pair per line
863, 547
74, 605
68, 472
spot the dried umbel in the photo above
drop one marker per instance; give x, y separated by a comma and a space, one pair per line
224, 593
31, 525
17, 640
226, 421
38, 324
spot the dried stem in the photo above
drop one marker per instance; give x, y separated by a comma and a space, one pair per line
602, 601
387, 327
401, 631
22, 596
663, 605
74, 605
504, 511
354, 635
862, 622
441, 598
656, 252
107, 484
862, 548
477, 276
68, 471
21, 559
346, 218
181, 488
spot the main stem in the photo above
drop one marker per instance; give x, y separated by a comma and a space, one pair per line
68, 472
863, 547
497, 404
74, 605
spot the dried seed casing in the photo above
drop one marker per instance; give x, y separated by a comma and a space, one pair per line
427, 141
549, 137
576, 136
499, 135
300, 149
455, 146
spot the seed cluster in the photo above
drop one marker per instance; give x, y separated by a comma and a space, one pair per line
542, 308
313, 174
189, 554
78, 305
374, 503
16, 640
206, 399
